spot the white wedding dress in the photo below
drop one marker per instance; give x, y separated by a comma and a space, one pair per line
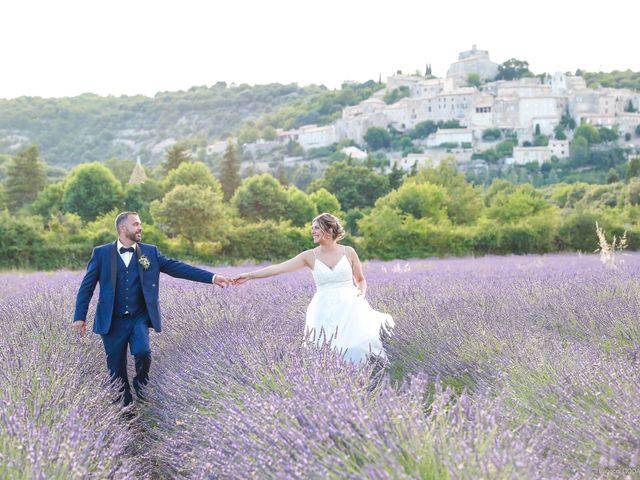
338, 316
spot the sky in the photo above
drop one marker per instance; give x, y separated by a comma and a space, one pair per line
116, 47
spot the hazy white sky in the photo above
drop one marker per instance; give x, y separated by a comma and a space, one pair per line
68, 47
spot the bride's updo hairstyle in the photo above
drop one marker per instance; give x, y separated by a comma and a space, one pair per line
331, 225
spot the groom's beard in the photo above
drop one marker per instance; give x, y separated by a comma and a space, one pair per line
134, 237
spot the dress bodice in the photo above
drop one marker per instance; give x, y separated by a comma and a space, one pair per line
337, 277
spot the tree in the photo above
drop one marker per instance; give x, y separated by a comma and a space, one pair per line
473, 80
396, 94
559, 132
355, 186
524, 202
633, 169
196, 173
294, 149
491, 134
505, 148
377, 138
230, 171
396, 175
138, 198
179, 153
464, 203
579, 150
612, 176
608, 134
300, 209
26, 176
589, 133
91, 190
269, 133
419, 200
325, 201
541, 141
194, 212
630, 108
248, 133
49, 201
423, 129
513, 69
260, 197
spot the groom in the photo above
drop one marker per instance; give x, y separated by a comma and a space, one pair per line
129, 274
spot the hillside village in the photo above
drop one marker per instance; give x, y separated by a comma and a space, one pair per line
519, 109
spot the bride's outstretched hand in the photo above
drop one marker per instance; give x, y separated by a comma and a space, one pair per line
240, 279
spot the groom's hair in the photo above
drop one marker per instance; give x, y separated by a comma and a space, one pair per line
121, 218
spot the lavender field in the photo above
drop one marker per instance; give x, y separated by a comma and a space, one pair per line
500, 367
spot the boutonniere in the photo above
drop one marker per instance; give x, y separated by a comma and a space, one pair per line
144, 261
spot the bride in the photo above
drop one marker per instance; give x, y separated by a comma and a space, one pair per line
338, 313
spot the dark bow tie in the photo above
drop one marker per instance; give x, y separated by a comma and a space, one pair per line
126, 249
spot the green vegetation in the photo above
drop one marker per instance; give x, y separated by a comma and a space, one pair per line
426, 212
89, 127
615, 79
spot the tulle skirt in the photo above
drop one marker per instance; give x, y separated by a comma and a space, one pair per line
347, 322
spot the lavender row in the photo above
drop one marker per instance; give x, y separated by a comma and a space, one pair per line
501, 367
57, 419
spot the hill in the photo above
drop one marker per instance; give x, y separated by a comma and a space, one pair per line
90, 127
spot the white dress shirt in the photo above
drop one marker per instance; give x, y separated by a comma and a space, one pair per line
126, 256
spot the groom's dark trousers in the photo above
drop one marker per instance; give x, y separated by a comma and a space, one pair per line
128, 306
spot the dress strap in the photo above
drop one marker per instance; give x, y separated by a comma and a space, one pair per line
344, 250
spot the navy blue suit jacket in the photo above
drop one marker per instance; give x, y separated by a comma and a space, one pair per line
102, 268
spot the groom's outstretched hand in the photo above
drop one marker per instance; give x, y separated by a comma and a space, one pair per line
221, 281
80, 326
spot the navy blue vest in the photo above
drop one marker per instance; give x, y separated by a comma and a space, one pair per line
128, 296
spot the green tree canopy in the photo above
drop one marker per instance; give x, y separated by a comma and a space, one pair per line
473, 80
269, 133
420, 200
423, 129
326, 201
26, 176
260, 197
579, 150
196, 173
91, 190
355, 186
49, 201
195, 212
377, 138
589, 133
395, 176
465, 203
178, 154
396, 94
138, 198
300, 209
248, 133
633, 168
513, 69
524, 202
230, 178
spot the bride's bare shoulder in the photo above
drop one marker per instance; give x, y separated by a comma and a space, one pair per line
350, 251
308, 256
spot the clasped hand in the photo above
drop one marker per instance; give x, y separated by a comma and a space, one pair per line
223, 282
